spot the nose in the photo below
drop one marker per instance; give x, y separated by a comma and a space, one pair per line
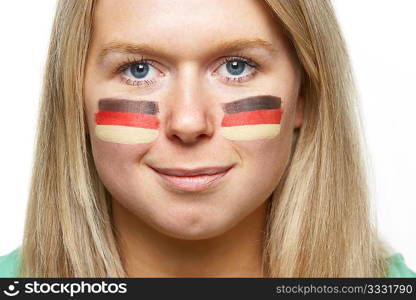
189, 117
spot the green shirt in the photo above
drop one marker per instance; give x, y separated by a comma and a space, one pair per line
397, 267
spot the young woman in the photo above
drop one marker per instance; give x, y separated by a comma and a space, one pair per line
199, 139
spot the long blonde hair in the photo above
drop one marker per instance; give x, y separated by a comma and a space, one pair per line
319, 222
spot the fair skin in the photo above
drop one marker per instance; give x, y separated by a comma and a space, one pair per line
217, 232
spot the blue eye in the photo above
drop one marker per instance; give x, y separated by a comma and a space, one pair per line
236, 67
139, 70
139, 73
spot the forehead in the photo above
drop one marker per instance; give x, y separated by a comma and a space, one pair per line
183, 26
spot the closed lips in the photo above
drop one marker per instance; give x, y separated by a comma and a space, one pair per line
192, 180
192, 172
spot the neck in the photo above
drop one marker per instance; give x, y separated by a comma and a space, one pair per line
146, 252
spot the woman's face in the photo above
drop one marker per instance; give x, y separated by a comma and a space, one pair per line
176, 89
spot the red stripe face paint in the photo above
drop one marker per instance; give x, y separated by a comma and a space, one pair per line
127, 121
252, 118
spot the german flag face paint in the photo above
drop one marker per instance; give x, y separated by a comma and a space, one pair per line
127, 121
252, 118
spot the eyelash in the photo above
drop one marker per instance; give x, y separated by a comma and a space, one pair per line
132, 61
123, 66
248, 61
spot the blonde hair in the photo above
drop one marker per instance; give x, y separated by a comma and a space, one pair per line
319, 222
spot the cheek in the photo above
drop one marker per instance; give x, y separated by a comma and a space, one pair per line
127, 121
126, 128
266, 159
116, 163
252, 118
249, 126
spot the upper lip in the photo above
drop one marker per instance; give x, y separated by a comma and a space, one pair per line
192, 172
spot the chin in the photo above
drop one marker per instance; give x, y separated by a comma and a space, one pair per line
194, 235
193, 228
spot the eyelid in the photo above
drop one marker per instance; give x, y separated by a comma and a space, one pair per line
255, 68
132, 60
239, 57
128, 62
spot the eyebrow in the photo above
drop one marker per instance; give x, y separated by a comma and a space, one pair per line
143, 48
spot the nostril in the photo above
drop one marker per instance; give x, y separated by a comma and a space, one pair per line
189, 132
189, 138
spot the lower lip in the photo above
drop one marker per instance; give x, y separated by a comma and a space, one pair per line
193, 183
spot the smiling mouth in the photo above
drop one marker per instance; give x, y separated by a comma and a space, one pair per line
192, 180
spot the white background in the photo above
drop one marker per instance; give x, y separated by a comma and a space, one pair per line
381, 38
